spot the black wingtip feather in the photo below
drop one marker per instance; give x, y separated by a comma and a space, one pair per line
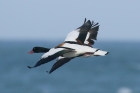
48, 72
85, 20
29, 67
96, 24
92, 22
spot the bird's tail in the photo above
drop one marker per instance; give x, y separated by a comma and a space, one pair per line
100, 53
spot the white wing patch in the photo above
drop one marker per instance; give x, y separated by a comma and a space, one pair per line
60, 57
72, 35
86, 42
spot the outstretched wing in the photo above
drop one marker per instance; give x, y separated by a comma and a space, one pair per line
92, 35
51, 55
59, 63
79, 35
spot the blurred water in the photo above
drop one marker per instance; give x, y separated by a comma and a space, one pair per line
114, 73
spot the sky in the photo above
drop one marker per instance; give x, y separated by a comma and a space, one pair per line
54, 19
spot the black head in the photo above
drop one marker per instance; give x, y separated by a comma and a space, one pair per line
39, 50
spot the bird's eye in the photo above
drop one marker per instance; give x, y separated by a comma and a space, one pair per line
34, 48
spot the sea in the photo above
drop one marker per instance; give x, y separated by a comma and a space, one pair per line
117, 72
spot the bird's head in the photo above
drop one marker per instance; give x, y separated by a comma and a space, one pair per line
39, 50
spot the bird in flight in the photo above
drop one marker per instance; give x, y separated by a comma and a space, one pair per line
78, 43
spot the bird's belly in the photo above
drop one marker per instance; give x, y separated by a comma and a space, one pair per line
72, 54
88, 54
79, 50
